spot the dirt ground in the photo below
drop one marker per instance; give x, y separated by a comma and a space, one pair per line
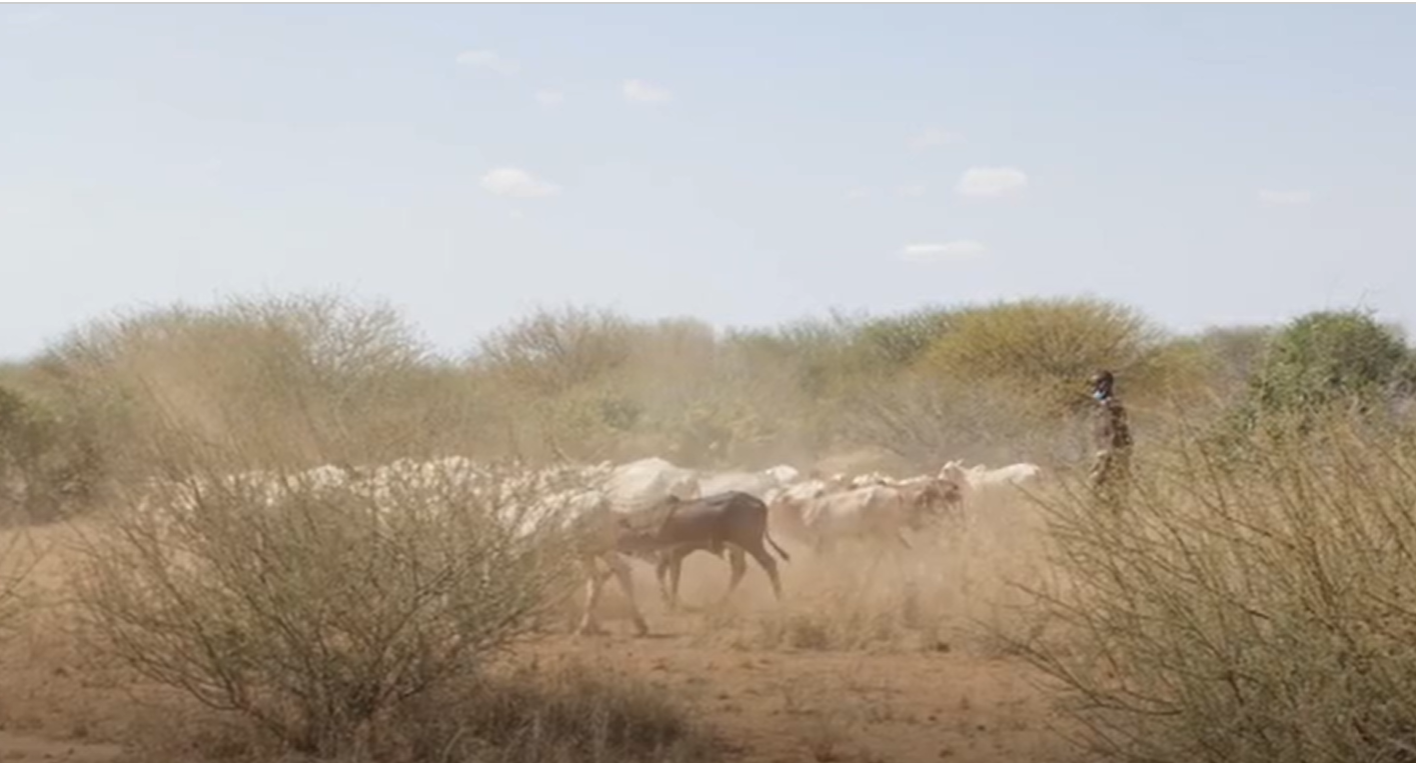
825, 676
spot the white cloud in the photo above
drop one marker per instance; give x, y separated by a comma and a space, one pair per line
953, 250
488, 59
518, 184
860, 193
550, 97
1284, 198
912, 191
934, 138
641, 91
992, 182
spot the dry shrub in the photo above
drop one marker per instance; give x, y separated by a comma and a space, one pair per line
928, 421
515, 712
20, 553
590, 385
49, 464
314, 606
1243, 614
553, 351
567, 712
359, 379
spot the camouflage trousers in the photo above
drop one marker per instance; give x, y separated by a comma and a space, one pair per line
1110, 477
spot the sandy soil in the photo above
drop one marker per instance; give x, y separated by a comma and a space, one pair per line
785, 707
766, 675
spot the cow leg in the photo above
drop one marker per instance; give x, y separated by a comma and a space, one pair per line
626, 582
737, 561
666, 566
594, 583
769, 566
669, 570
675, 574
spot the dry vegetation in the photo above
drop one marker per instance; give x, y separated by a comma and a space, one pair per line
1253, 603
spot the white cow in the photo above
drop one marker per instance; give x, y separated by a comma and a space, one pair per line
803, 490
643, 483
757, 484
979, 477
874, 513
784, 474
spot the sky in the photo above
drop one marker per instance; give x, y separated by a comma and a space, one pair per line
744, 164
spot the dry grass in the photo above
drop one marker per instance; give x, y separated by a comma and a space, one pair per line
527, 713
567, 711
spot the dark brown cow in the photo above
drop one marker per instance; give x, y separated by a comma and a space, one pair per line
731, 520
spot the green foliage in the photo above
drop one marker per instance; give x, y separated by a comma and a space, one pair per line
1323, 357
1321, 363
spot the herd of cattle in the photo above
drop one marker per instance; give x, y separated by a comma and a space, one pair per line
650, 509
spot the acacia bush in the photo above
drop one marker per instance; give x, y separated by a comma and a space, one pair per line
1050, 347
1253, 614
1326, 359
1007, 381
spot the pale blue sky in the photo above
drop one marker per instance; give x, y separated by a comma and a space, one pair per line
150, 153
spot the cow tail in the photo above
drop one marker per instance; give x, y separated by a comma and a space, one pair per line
780, 552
